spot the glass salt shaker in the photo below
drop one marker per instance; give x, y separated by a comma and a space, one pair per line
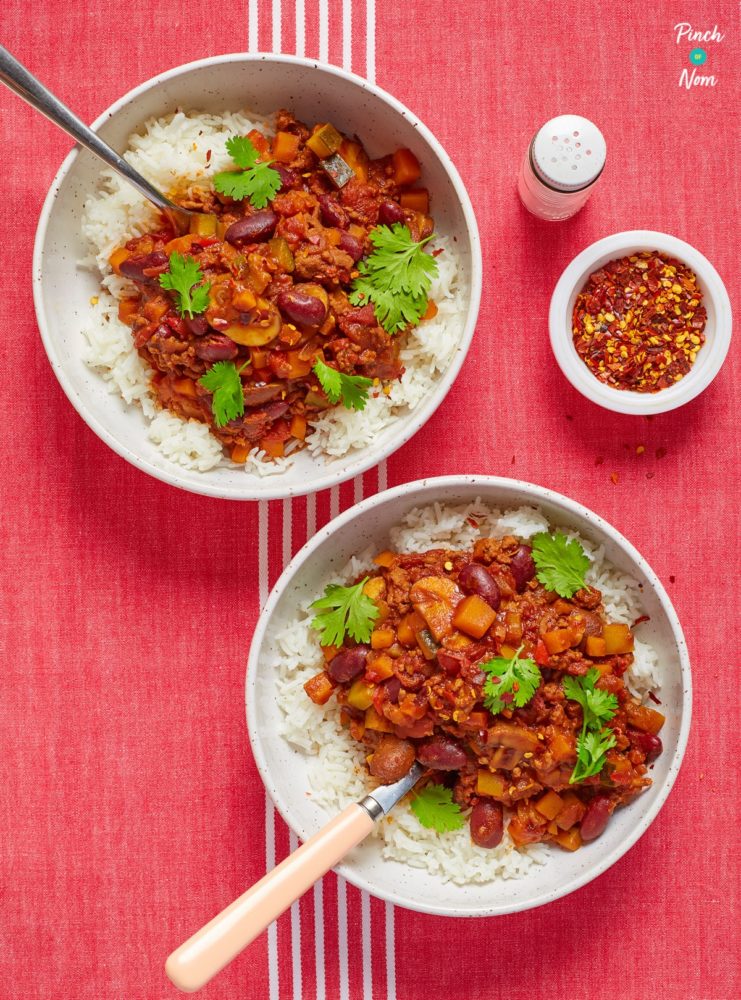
561, 167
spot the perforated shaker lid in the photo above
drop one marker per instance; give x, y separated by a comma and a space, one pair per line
568, 153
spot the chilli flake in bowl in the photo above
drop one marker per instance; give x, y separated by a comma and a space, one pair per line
499, 653
307, 305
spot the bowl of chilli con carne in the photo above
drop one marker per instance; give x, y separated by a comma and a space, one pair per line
315, 314
509, 640
640, 322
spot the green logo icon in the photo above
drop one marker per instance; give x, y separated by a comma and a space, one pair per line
698, 57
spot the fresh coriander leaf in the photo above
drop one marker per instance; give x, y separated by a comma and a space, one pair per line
561, 563
223, 381
591, 753
345, 611
396, 278
510, 682
351, 389
183, 275
256, 180
435, 809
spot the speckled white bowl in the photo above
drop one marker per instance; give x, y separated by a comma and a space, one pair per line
285, 770
263, 83
717, 329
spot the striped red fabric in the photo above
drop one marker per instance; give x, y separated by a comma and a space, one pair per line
130, 808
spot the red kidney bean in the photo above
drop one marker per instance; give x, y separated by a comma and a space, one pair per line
256, 395
390, 212
392, 687
442, 753
153, 264
302, 308
476, 579
332, 213
595, 818
253, 228
391, 759
348, 663
352, 246
649, 744
487, 823
216, 347
196, 325
522, 566
289, 179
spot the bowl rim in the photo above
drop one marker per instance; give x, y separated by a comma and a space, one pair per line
627, 401
538, 494
365, 459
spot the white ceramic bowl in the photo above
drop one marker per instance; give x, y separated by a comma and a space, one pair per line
717, 330
284, 770
264, 83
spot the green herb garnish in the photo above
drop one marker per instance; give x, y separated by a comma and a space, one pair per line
351, 389
345, 611
223, 380
511, 682
561, 563
395, 278
434, 808
183, 278
256, 180
598, 707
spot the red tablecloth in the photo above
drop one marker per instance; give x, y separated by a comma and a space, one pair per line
131, 810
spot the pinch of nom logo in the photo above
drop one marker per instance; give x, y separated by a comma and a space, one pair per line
697, 55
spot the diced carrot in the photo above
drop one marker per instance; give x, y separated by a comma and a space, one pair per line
431, 310
239, 453
319, 688
119, 255
558, 640
596, 646
377, 722
513, 626
570, 840
474, 616
379, 666
408, 627
549, 804
375, 588
507, 651
330, 652
418, 199
272, 448
570, 812
385, 558
618, 639
646, 719
382, 638
259, 358
127, 310
285, 147
406, 167
490, 784
356, 158
562, 747
476, 720
523, 834
298, 426
185, 387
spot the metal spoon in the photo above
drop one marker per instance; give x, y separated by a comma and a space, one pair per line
197, 961
16, 77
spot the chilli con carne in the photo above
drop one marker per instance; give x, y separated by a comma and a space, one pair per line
639, 322
500, 687
275, 286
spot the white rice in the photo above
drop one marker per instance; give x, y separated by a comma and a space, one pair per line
171, 152
337, 774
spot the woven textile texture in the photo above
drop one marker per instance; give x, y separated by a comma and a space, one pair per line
130, 808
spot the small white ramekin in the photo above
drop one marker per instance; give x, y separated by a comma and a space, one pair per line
717, 330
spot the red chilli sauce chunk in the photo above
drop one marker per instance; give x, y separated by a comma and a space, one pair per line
639, 322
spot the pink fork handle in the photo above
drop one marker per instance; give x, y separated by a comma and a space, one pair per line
197, 961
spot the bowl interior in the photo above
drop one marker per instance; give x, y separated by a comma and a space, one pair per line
264, 84
285, 770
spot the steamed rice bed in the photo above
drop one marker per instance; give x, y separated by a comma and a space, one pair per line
338, 775
172, 152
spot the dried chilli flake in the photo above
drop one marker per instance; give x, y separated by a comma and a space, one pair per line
639, 322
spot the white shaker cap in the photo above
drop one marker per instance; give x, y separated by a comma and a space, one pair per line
568, 153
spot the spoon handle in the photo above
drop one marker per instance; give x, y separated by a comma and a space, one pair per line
16, 77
